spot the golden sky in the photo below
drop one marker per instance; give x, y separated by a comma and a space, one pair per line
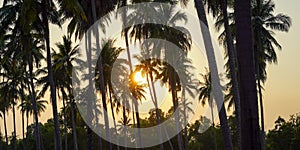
281, 95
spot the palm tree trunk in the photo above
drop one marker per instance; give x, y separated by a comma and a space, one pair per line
138, 123
175, 104
65, 121
5, 130
133, 119
72, 106
33, 100
23, 119
23, 132
184, 118
233, 75
218, 95
125, 128
249, 104
14, 133
213, 123
154, 100
113, 114
263, 136
90, 88
58, 144
27, 117
74, 126
102, 88
256, 59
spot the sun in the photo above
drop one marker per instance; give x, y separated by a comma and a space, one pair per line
139, 78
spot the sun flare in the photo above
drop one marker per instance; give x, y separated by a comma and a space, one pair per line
139, 78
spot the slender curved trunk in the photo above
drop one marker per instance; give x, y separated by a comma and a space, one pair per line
245, 54
72, 106
33, 101
23, 132
184, 118
65, 121
23, 120
5, 130
131, 70
74, 126
113, 114
259, 87
137, 114
14, 132
263, 135
45, 4
90, 88
102, 88
133, 119
258, 50
175, 104
125, 128
27, 118
233, 72
213, 123
217, 95
154, 100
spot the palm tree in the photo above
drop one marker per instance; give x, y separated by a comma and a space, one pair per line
244, 46
27, 106
48, 7
169, 32
214, 73
148, 68
63, 65
219, 7
110, 55
264, 23
4, 107
205, 95
137, 91
19, 34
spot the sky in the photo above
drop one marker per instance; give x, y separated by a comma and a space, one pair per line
281, 95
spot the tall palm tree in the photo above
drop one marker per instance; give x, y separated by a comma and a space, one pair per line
63, 64
4, 107
27, 107
219, 7
205, 95
168, 32
264, 23
137, 90
48, 7
213, 68
245, 51
110, 54
148, 69
20, 35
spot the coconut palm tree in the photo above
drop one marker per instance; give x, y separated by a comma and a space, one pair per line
148, 69
110, 55
245, 51
169, 32
4, 108
219, 7
205, 95
264, 23
20, 35
64, 61
213, 68
137, 90
48, 8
